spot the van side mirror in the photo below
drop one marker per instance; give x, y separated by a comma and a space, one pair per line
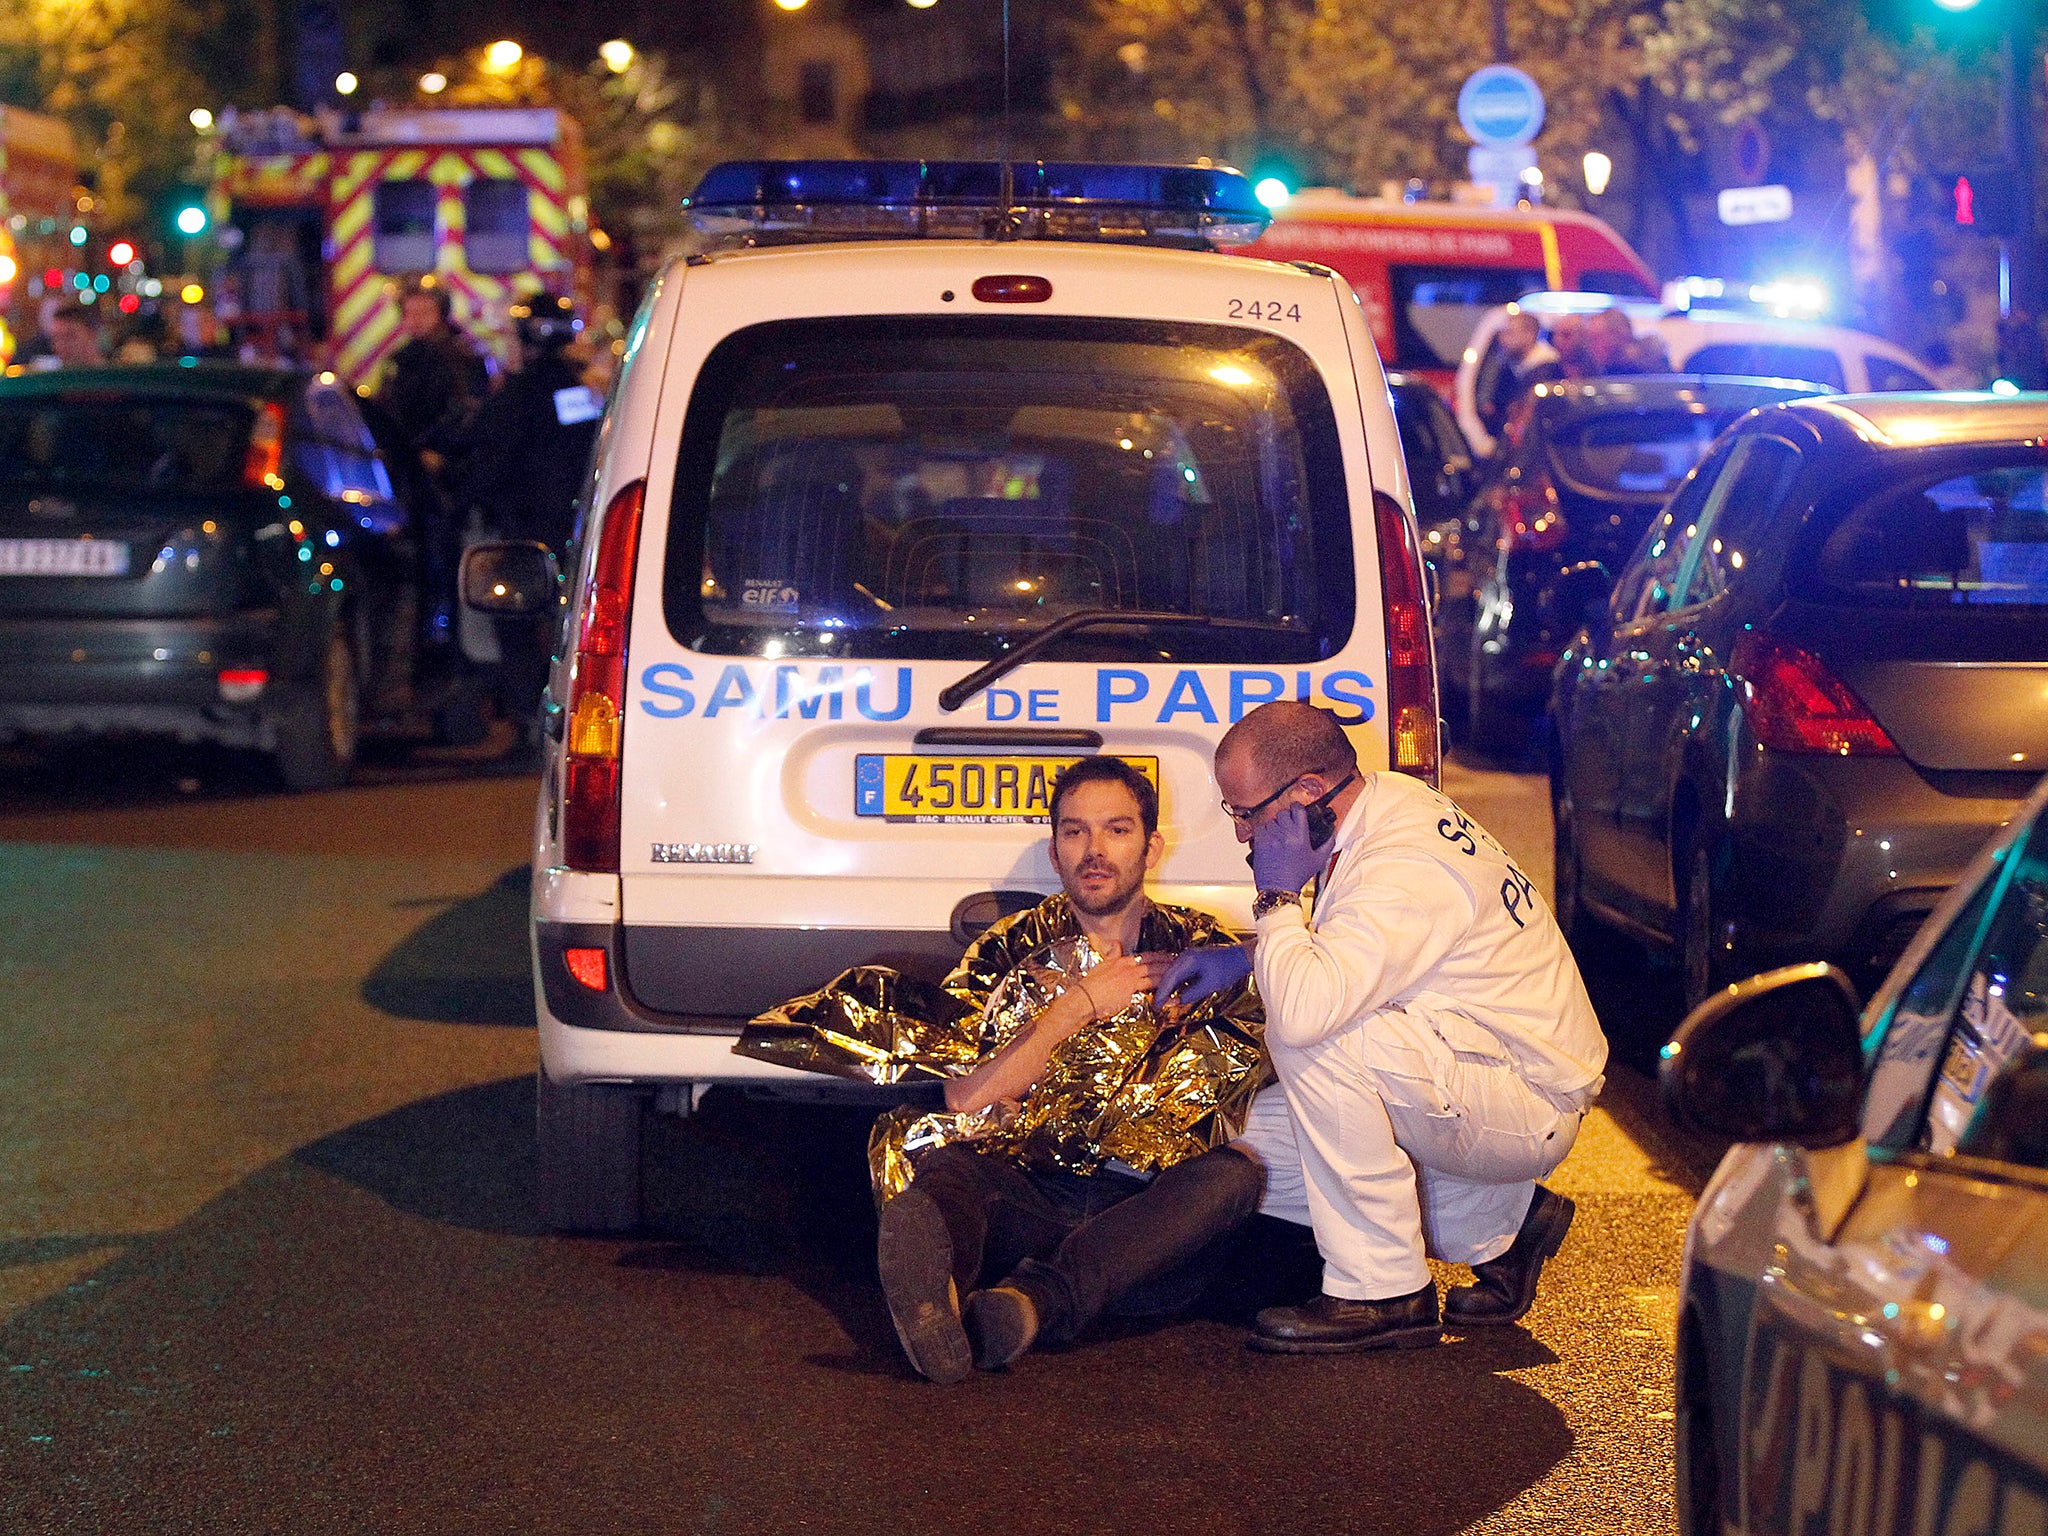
511, 578
1776, 1058
1578, 596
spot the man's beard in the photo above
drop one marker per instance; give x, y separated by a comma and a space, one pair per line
1115, 899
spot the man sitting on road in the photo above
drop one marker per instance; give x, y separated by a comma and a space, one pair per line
1435, 1046
1030, 1231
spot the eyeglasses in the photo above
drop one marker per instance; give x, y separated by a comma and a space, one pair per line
1247, 812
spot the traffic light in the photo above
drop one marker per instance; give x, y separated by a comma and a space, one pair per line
191, 219
1984, 199
120, 253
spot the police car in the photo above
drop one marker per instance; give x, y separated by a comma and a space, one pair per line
917, 483
1863, 1324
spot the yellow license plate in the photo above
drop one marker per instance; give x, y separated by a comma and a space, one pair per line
978, 791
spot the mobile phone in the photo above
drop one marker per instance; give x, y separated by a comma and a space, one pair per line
1322, 821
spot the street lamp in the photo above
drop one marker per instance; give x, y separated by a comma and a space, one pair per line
1599, 168
503, 56
345, 83
792, 5
617, 55
200, 119
433, 83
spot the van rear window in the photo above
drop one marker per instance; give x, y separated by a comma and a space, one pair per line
917, 487
1436, 309
1978, 539
1767, 360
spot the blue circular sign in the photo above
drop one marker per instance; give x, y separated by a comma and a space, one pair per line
1500, 105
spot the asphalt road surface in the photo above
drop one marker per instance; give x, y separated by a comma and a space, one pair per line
268, 1257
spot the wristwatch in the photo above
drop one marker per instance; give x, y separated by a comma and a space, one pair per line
1272, 901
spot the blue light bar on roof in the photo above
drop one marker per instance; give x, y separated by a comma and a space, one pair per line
963, 199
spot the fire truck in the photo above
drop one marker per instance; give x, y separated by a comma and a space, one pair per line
325, 221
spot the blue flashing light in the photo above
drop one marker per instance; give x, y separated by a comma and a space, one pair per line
963, 199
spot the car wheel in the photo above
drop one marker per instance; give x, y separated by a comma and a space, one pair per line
589, 1155
463, 718
1582, 930
318, 732
1702, 956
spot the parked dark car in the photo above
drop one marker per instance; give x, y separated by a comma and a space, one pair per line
1439, 460
210, 552
1441, 475
1594, 462
1821, 683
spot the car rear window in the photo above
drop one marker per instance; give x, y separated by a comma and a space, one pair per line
1633, 453
1975, 539
121, 443
1764, 360
939, 487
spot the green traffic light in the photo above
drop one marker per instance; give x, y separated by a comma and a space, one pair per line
1956, 5
191, 220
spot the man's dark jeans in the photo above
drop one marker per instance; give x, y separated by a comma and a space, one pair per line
1076, 1244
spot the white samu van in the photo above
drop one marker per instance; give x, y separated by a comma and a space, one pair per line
923, 481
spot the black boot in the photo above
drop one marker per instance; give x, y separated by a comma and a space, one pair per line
1331, 1325
1002, 1322
1506, 1286
914, 1253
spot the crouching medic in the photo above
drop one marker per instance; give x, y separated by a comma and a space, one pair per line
1433, 1040
1082, 1162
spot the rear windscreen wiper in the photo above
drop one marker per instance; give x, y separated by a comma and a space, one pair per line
959, 693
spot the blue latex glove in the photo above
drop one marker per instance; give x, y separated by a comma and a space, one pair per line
1283, 859
1199, 973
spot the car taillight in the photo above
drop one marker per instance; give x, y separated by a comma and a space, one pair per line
1530, 517
238, 685
1411, 664
597, 691
260, 465
1797, 704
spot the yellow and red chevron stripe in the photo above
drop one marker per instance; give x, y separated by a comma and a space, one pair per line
363, 301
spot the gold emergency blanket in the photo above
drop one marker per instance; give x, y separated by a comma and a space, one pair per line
1146, 1088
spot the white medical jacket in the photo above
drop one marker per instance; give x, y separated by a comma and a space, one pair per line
1420, 909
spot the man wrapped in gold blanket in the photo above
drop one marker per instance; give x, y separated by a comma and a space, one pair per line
1084, 1151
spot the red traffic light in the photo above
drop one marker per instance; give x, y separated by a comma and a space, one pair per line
120, 253
1966, 201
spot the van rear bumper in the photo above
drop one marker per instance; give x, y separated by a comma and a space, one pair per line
662, 979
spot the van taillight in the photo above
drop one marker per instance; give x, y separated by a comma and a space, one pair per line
265, 458
597, 691
1411, 664
1797, 704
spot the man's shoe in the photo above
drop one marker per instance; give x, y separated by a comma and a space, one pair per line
1002, 1322
1506, 1286
1331, 1325
914, 1253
